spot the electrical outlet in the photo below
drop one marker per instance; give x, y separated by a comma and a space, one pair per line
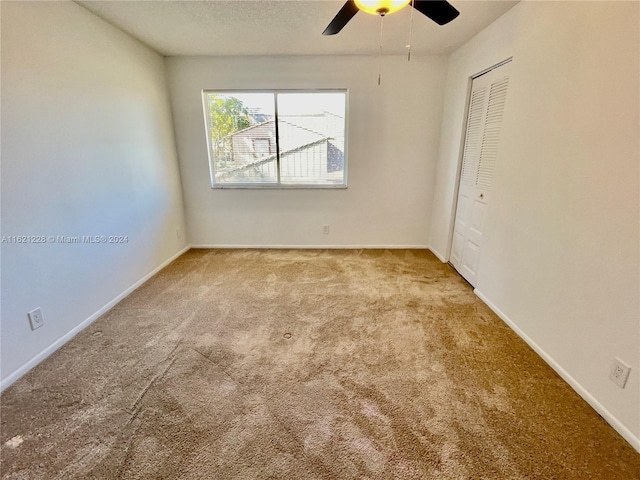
325, 229
35, 318
619, 372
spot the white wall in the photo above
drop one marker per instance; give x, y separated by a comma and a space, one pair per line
87, 149
393, 135
560, 256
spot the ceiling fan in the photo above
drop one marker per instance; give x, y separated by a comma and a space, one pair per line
440, 11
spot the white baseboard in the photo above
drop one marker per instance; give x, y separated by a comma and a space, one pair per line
315, 247
583, 392
438, 254
68, 336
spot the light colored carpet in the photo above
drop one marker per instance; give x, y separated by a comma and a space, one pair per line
247, 364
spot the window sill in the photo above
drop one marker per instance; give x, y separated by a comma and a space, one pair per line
244, 186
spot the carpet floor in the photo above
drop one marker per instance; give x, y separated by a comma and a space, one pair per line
303, 364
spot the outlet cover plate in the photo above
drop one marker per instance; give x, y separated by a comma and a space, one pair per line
35, 318
619, 372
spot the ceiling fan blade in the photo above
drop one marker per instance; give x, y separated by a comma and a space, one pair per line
345, 14
440, 11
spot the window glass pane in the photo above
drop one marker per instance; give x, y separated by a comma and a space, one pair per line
311, 138
242, 137
302, 142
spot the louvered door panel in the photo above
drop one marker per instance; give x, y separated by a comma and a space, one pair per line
491, 135
473, 137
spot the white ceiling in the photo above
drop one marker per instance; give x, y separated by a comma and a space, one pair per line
287, 27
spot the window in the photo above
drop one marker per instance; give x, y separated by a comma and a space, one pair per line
276, 139
262, 146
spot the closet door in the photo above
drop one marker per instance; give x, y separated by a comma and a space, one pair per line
482, 138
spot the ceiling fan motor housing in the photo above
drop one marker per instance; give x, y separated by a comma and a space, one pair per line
381, 7
440, 11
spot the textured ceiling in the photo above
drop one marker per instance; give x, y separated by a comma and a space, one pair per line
287, 27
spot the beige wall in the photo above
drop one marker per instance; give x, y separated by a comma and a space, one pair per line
87, 149
560, 254
393, 133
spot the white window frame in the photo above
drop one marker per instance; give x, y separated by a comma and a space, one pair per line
278, 185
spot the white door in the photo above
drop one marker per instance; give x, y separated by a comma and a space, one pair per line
484, 124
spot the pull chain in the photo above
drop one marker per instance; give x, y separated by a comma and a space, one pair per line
410, 33
380, 50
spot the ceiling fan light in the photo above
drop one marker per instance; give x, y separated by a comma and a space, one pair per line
381, 7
